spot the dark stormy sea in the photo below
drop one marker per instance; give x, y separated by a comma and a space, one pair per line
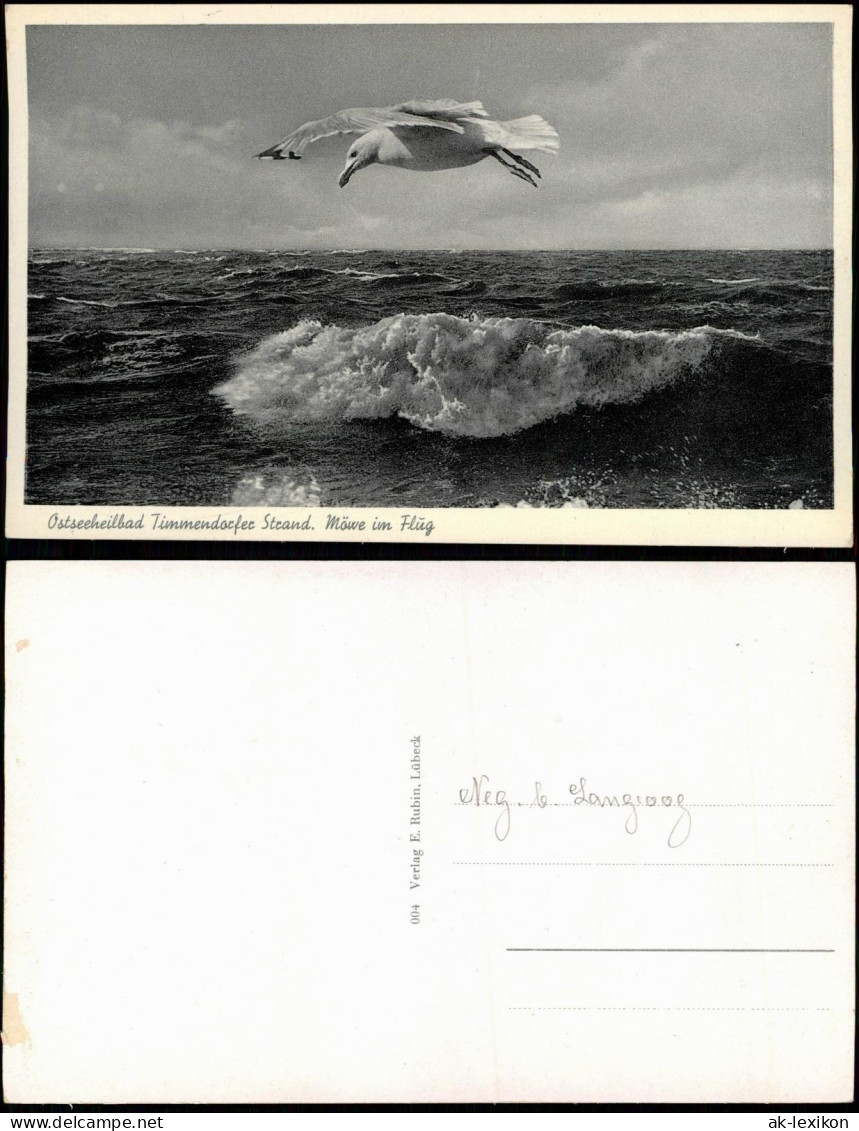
433, 379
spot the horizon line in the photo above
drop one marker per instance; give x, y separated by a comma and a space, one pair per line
411, 250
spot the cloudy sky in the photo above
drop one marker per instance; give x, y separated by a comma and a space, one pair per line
672, 136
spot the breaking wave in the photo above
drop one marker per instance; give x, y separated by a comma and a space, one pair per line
405, 278
86, 302
158, 300
476, 377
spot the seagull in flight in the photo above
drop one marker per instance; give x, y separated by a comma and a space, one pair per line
425, 136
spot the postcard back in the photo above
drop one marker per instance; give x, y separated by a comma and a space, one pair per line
318, 832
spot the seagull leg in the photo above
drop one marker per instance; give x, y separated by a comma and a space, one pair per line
512, 168
521, 161
523, 176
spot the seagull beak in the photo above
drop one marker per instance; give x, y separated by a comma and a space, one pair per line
346, 175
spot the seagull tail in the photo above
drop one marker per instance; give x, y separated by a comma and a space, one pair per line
532, 132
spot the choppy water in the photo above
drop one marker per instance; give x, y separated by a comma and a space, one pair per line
608, 379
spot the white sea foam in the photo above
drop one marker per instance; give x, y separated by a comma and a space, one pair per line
87, 302
573, 503
134, 250
366, 276
279, 489
480, 377
237, 271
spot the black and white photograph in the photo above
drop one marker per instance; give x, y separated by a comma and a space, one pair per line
408, 267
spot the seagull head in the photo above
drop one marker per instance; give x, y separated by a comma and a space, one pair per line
363, 151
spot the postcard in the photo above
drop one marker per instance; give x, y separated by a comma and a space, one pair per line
453, 273
429, 832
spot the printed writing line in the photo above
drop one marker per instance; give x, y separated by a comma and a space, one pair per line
665, 950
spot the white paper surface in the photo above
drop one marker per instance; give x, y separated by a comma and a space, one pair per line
211, 797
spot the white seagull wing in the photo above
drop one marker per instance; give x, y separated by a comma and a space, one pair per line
531, 132
357, 121
443, 109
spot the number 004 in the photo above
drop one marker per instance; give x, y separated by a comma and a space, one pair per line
415, 913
